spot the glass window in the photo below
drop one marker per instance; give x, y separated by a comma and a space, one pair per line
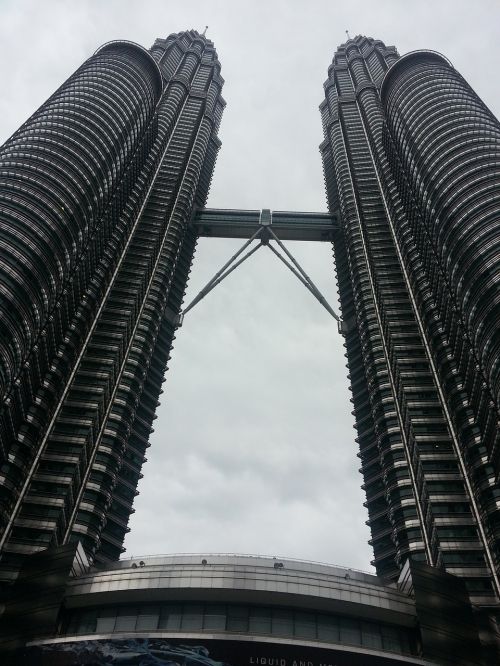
478, 585
282, 623
259, 621
390, 639
192, 620
254, 619
237, 618
328, 628
170, 618
87, 623
349, 631
305, 625
74, 625
370, 635
126, 620
148, 618
215, 618
106, 621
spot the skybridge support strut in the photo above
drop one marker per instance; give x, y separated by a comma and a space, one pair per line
221, 275
302, 275
264, 234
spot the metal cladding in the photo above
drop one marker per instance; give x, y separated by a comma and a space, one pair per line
409, 162
63, 175
217, 609
450, 166
96, 193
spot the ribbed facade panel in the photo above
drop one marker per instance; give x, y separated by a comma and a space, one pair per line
59, 174
97, 218
82, 481
420, 486
441, 172
452, 161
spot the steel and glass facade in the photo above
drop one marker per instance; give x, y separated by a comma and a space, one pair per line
237, 610
96, 192
102, 195
411, 164
245, 596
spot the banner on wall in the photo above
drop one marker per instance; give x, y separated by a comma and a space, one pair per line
205, 652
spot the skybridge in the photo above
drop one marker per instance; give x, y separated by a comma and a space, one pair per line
269, 228
288, 226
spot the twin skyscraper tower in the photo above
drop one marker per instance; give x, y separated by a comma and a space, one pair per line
99, 193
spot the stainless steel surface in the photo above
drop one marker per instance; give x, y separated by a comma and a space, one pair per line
244, 579
227, 223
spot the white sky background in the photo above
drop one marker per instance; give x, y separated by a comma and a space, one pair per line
254, 447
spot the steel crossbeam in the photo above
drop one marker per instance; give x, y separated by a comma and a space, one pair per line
227, 223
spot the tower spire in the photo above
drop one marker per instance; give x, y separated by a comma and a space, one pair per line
348, 35
205, 31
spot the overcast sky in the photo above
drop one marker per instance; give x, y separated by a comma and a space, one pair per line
254, 446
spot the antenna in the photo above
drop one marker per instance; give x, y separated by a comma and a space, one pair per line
205, 31
348, 35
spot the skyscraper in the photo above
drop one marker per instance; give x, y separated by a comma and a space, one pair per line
96, 191
102, 195
411, 162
